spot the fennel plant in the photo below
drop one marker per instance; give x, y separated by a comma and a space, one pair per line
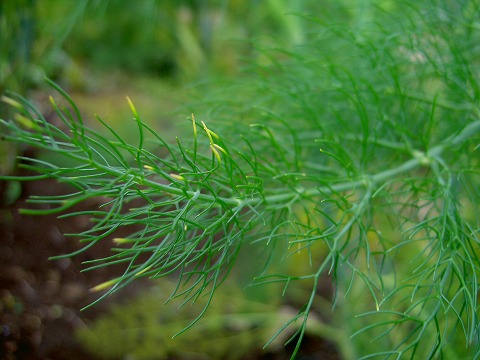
356, 154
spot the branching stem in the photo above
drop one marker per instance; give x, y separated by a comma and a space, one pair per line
419, 159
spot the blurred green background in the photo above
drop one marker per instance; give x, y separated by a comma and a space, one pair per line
78, 42
102, 51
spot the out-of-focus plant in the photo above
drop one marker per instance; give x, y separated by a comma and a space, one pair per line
356, 156
235, 326
26, 49
16, 37
187, 38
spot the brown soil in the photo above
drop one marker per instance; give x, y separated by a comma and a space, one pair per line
40, 299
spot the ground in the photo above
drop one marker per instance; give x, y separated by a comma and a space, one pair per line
40, 299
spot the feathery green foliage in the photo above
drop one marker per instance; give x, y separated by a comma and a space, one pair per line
357, 155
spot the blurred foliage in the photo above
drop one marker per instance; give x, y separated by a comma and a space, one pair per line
16, 38
235, 325
185, 38
171, 39
181, 40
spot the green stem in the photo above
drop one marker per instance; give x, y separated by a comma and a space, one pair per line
419, 159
